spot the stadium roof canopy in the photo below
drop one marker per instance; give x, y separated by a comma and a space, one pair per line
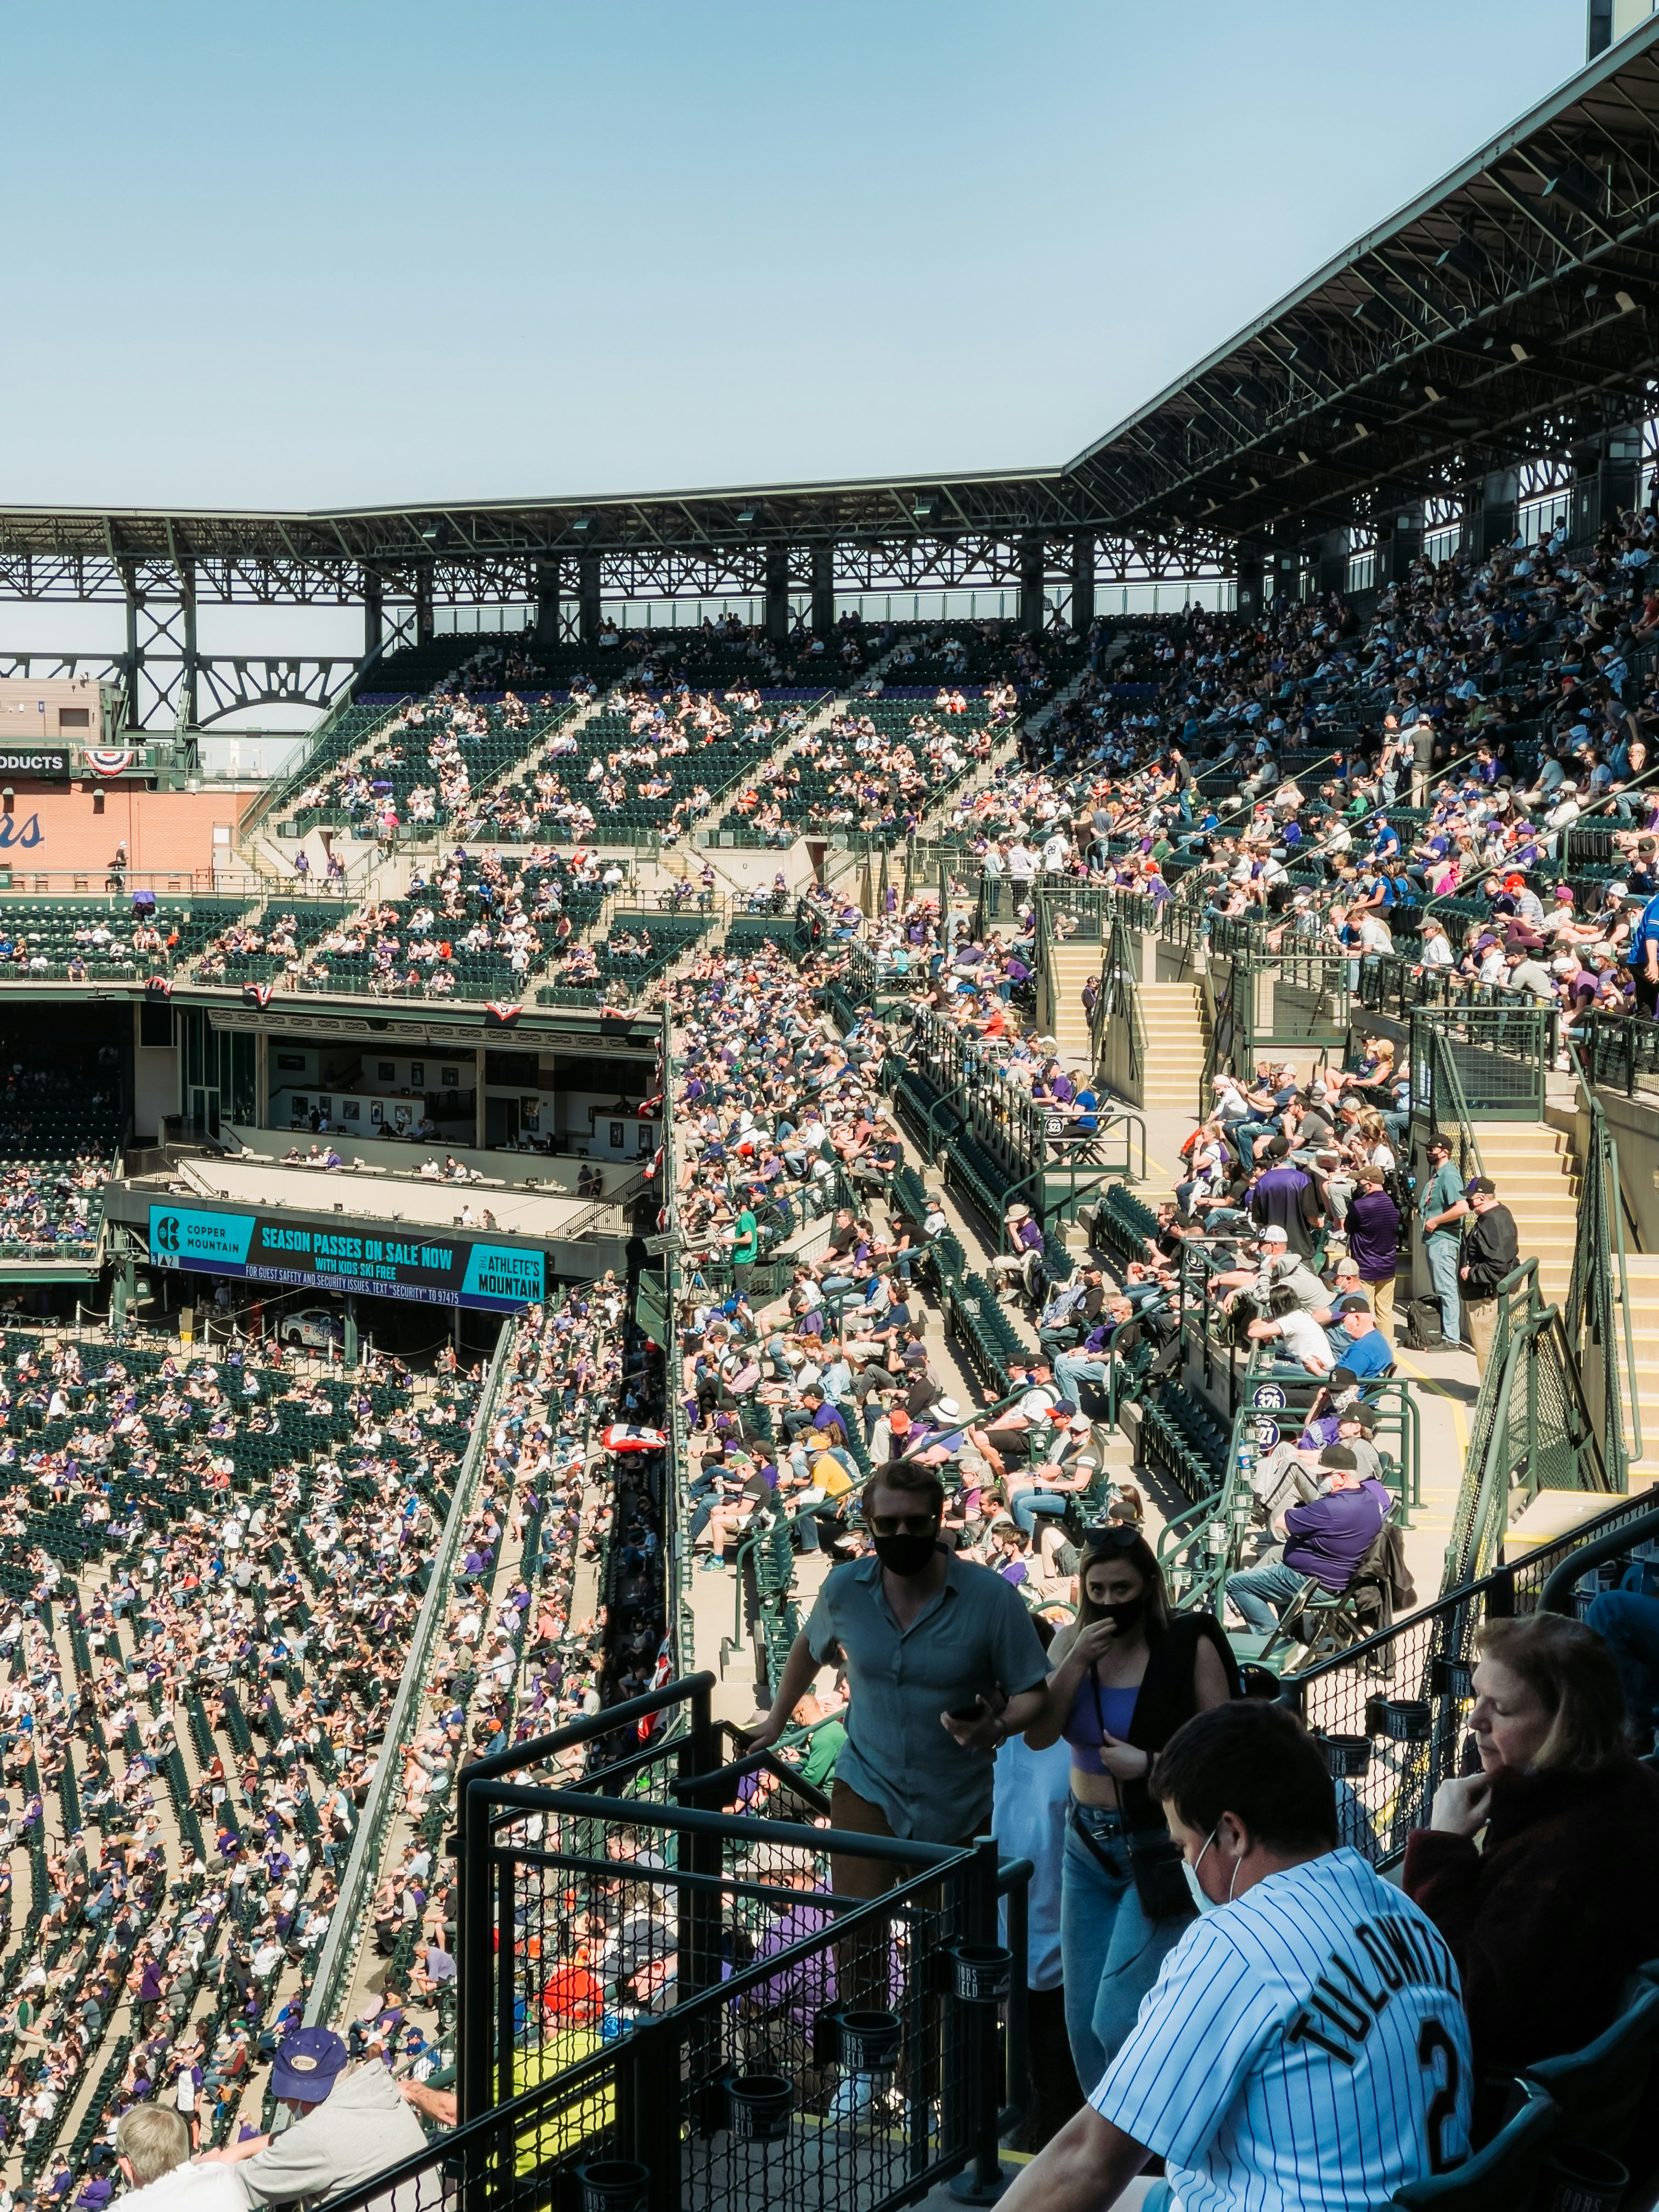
1511, 312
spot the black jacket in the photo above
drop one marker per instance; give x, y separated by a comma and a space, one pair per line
1168, 1696
1489, 1251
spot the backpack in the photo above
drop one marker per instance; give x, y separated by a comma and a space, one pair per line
1420, 1329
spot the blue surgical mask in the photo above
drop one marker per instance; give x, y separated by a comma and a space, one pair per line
1207, 1904
1204, 1904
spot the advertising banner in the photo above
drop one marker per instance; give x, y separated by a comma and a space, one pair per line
36, 760
421, 1265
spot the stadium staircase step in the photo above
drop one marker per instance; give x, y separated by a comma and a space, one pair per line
1537, 1179
1045, 714
819, 719
1070, 966
517, 773
1172, 1018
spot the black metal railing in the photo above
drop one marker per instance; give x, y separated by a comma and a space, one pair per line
1597, 1316
659, 1979
1617, 1049
1531, 1428
1392, 1711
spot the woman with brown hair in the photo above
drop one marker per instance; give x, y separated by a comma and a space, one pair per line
1124, 1677
1550, 1910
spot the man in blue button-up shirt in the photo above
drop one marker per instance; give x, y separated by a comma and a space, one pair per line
943, 1663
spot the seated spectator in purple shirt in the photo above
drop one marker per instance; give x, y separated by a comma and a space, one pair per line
1326, 1538
1024, 1235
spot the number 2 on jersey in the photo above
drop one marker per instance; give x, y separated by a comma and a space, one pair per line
1443, 2105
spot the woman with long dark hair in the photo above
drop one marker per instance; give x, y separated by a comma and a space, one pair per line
1124, 1676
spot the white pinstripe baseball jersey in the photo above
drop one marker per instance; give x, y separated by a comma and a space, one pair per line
1302, 2050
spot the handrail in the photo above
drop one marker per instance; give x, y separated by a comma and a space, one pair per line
1516, 1433
1610, 799
1130, 1122
1556, 1596
1120, 994
1592, 1293
1442, 1073
361, 1876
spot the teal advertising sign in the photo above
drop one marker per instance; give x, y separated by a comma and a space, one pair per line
446, 1271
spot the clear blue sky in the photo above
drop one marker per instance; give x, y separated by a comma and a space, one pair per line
356, 252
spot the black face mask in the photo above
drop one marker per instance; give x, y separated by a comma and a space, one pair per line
905, 1555
1123, 1617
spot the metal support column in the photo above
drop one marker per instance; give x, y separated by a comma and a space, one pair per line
546, 574
423, 621
262, 1078
1498, 518
189, 712
1249, 590
478, 1101
135, 654
823, 589
777, 594
1621, 469
587, 594
1331, 558
1083, 582
373, 613
1399, 542
1030, 583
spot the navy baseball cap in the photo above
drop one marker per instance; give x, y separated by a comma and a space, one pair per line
307, 2065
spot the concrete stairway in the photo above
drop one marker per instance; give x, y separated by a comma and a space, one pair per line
1172, 1018
1070, 966
1537, 1179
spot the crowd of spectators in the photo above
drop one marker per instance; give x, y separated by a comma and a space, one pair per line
830, 1392
862, 773
60, 1122
211, 1568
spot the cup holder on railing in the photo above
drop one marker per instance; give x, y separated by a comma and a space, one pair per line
758, 2106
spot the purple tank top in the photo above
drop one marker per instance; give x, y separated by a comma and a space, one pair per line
1115, 1710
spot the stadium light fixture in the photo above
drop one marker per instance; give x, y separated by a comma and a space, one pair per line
581, 522
746, 515
1464, 254
922, 507
1574, 184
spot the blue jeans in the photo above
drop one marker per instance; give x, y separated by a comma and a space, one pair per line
1252, 1592
1072, 1367
1628, 1623
1026, 1505
1241, 1135
1442, 1253
1110, 1951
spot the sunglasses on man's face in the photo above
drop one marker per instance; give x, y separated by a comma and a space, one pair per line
903, 1524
